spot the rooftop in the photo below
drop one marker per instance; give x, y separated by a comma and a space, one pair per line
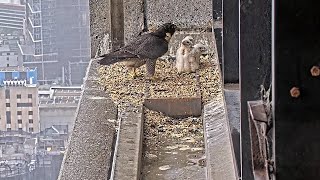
17, 69
5, 48
60, 96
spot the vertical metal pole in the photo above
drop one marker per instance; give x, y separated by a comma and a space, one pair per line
255, 66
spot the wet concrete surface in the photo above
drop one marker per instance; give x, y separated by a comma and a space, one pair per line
173, 149
173, 161
232, 98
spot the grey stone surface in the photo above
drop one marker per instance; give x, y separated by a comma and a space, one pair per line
100, 26
219, 151
184, 13
129, 150
133, 18
90, 147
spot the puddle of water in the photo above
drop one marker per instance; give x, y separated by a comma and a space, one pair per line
170, 157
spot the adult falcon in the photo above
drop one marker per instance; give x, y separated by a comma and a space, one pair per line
144, 49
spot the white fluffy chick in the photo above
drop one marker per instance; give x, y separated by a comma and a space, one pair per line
182, 54
194, 56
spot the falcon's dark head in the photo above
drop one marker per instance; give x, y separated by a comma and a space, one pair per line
166, 31
169, 28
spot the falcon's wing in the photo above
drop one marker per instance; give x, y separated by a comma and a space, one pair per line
147, 46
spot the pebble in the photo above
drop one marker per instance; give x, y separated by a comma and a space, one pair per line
164, 168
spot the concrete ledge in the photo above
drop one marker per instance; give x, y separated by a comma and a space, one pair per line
219, 151
232, 99
90, 147
129, 149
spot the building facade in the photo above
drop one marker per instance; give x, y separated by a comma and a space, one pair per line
12, 15
8, 57
58, 106
19, 104
9, 51
57, 40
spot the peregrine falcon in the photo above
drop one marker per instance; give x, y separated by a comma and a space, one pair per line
144, 49
182, 63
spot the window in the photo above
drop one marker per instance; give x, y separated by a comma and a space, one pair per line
8, 116
37, 36
24, 104
8, 54
7, 93
38, 51
18, 96
23, 75
31, 121
19, 129
19, 112
31, 129
8, 75
19, 121
30, 113
8, 65
30, 96
8, 58
7, 104
8, 129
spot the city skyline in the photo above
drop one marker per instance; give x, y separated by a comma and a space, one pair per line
44, 54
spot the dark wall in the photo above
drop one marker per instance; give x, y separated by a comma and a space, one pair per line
231, 41
297, 120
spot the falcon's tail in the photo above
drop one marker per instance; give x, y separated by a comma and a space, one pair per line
114, 57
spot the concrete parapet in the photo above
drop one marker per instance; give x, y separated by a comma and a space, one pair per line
219, 150
90, 147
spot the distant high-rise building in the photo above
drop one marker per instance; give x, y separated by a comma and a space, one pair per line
8, 57
57, 40
19, 102
12, 14
9, 51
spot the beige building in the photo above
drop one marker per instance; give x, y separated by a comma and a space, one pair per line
19, 104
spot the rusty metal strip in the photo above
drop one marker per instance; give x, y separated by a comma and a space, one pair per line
258, 128
176, 107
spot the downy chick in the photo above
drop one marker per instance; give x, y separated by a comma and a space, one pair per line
182, 63
194, 56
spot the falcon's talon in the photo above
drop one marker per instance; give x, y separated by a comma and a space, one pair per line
154, 78
132, 75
